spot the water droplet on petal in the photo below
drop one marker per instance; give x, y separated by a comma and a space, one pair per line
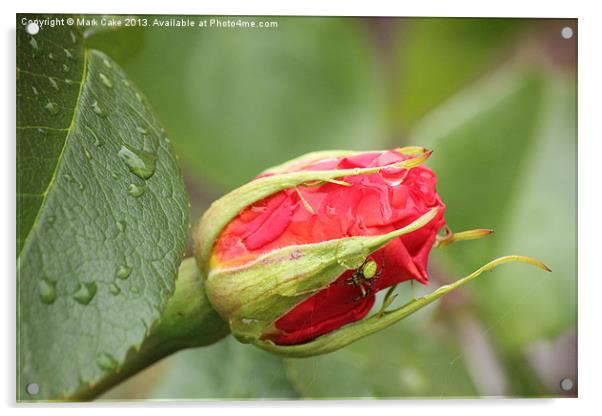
124, 271
140, 163
121, 225
114, 289
135, 190
96, 108
107, 362
47, 290
85, 292
106, 80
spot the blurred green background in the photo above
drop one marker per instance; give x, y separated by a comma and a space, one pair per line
494, 98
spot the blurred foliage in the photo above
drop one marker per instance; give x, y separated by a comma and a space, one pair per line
236, 101
503, 130
437, 56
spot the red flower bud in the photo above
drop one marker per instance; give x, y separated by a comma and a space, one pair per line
368, 204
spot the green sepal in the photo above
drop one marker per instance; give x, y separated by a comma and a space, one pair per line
355, 331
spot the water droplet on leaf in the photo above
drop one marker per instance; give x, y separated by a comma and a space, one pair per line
68, 53
141, 130
52, 108
33, 42
85, 292
135, 190
106, 80
88, 155
65, 68
140, 163
96, 108
97, 141
73, 38
35, 91
124, 271
121, 225
47, 290
54, 84
107, 361
107, 63
114, 289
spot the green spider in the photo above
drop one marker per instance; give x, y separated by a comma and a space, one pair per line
365, 277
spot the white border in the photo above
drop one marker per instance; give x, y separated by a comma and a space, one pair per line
590, 207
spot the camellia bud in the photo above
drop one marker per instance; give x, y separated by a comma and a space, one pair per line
293, 259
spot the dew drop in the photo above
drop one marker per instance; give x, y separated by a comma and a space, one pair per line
106, 80
96, 108
140, 163
73, 38
54, 84
41, 130
51, 219
68, 53
135, 289
68, 178
107, 362
139, 97
33, 42
85, 292
88, 155
51, 56
97, 141
114, 176
126, 82
141, 130
69, 81
65, 68
167, 140
124, 271
114, 289
135, 190
47, 290
35, 91
121, 225
107, 63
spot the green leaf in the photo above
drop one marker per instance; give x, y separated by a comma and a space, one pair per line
505, 158
98, 246
225, 370
247, 99
406, 360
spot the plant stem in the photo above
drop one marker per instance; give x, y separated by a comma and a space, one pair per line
188, 321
